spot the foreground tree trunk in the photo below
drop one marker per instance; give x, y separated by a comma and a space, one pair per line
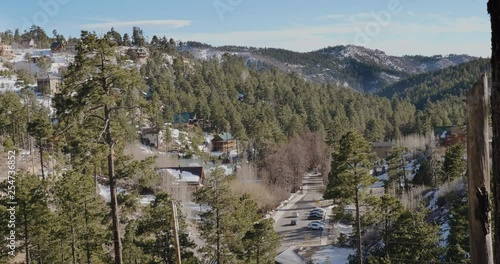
494, 11
478, 168
358, 228
112, 187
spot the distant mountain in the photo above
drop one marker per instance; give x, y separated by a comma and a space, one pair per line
435, 86
357, 67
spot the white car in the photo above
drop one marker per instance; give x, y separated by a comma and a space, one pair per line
315, 226
318, 222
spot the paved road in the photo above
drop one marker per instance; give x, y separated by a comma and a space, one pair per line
300, 234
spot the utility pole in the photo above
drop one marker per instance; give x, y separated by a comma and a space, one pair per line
478, 168
494, 11
176, 232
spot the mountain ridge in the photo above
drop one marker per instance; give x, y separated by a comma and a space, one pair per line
352, 66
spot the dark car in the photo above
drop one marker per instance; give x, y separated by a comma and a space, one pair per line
315, 217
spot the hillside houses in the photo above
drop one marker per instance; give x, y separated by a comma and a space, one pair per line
193, 177
382, 149
6, 51
152, 137
27, 43
450, 135
58, 46
224, 142
49, 84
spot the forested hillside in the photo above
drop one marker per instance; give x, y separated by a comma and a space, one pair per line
357, 67
439, 85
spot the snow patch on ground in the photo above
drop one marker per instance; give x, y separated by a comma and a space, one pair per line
432, 203
444, 230
332, 255
105, 193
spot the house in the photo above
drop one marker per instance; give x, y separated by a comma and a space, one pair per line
186, 118
289, 256
6, 51
450, 135
382, 149
49, 84
28, 43
58, 46
191, 176
350, 210
142, 53
151, 137
223, 142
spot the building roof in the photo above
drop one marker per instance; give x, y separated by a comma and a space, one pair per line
149, 130
443, 131
383, 144
50, 77
184, 118
223, 137
289, 257
184, 174
56, 44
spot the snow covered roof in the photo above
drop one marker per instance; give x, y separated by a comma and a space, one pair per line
184, 174
289, 257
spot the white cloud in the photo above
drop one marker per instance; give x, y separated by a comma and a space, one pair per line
166, 24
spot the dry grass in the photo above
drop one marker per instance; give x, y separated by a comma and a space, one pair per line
266, 197
414, 142
414, 198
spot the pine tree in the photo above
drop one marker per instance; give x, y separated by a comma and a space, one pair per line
215, 194
414, 240
41, 129
454, 163
396, 170
350, 172
384, 212
261, 242
34, 215
155, 233
100, 97
457, 249
81, 214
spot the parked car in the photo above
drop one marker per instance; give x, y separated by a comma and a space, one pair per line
318, 222
315, 226
317, 213
295, 214
317, 209
293, 222
315, 217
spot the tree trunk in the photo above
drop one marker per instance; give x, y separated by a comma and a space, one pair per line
494, 11
478, 168
73, 242
87, 244
358, 229
26, 238
112, 188
41, 158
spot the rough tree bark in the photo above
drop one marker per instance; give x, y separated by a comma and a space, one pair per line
494, 11
478, 169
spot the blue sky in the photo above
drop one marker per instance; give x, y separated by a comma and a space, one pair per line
398, 27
